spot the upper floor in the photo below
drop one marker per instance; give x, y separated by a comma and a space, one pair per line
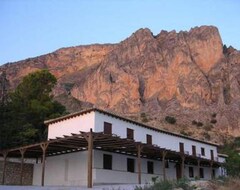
102, 121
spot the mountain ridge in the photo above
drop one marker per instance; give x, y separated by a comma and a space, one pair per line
188, 75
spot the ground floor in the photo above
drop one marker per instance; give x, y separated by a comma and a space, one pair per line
112, 168
90, 159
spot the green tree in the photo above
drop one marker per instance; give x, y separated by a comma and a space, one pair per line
233, 161
29, 105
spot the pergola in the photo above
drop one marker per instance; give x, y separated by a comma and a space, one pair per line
107, 142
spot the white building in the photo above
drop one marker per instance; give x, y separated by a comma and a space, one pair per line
94, 147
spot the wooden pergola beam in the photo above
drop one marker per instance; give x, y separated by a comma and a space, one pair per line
44, 148
5, 153
22, 151
182, 165
139, 163
163, 163
198, 168
89, 137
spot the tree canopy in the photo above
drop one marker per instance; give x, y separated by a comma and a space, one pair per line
22, 118
233, 161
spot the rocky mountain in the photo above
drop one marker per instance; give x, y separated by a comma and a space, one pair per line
187, 76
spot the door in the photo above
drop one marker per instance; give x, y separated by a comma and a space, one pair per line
178, 171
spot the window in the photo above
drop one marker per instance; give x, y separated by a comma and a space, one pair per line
212, 154
130, 165
150, 167
181, 147
107, 161
166, 164
193, 150
191, 172
149, 139
130, 134
107, 128
201, 173
203, 151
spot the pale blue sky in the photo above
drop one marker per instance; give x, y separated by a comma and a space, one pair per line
31, 28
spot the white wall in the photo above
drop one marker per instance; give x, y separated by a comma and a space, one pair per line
71, 170
65, 170
71, 125
161, 139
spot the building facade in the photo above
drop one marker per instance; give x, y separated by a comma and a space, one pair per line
95, 147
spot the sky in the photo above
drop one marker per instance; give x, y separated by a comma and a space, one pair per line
30, 28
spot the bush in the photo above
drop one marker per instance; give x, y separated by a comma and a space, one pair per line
208, 127
214, 115
168, 185
194, 122
213, 121
144, 117
170, 119
199, 124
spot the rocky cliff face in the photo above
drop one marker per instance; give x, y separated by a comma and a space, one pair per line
186, 75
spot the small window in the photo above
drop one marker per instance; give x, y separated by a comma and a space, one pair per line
130, 165
130, 134
193, 150
191, 172
201, 173
150, 167
181, 147
149, 139
107, 128
107, 161
203, 151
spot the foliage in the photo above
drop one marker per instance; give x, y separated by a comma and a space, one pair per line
213, 121
233, 161
144, 117
170, 119
197, 123
168, 185
29, 105
228, 183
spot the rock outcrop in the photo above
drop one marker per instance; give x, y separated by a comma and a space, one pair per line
187, 75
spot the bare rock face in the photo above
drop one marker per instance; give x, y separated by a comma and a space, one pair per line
188, 75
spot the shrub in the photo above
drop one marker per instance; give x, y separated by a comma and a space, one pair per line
214, 115
183, 133
206, 135
144, 117
208, 127
194, 122
170, 119
199, 124
213, 121
168, 185
184, 183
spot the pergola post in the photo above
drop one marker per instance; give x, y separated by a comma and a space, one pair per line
163, 162
182, 166
198, 168
139, 149
4, 166
89, 139
211, 169
44, 148
22, 151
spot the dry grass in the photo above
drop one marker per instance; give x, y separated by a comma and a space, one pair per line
227, 184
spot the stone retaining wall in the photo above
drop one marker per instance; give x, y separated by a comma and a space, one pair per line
13, 170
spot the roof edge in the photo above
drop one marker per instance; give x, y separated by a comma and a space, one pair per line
47, 122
